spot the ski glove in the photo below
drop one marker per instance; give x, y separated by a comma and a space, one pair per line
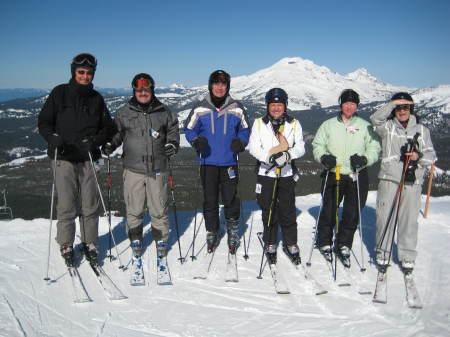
329, 161
55, 140
108, 149
200, 143
279, 159
86, 145
237, 145
357, 162
170, 149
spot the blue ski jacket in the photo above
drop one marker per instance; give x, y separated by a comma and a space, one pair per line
219, 127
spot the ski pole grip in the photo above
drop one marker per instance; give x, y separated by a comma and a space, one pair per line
338, 172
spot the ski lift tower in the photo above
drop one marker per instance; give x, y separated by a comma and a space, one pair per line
5, 210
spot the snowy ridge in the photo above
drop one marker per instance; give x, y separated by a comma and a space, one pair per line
30, 307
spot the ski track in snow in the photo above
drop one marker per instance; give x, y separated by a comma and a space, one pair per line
213, 307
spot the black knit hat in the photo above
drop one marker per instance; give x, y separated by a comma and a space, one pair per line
349, 95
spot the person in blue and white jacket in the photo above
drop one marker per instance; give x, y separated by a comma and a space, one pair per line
276, 140
218, 129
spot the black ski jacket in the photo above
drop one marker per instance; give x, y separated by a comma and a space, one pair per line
75, 112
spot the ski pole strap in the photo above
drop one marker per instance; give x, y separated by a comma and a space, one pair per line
338, 172
171, 182
108, 181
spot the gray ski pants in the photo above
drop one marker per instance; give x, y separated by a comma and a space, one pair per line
77, 191
407, 226
141, 190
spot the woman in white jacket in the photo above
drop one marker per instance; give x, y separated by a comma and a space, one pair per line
275, 141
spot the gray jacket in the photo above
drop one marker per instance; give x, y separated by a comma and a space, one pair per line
144, 135
394, 136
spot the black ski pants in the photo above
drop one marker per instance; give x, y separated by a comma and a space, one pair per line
283, 211
215, 179
350, 216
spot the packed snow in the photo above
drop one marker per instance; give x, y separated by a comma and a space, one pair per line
29, 306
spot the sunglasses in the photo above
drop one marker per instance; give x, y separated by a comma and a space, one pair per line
85, 72
402, 107
142, 84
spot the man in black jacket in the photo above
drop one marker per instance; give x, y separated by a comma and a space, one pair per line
75, 122
150, 136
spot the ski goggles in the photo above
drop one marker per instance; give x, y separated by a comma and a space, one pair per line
142, 84
85, 59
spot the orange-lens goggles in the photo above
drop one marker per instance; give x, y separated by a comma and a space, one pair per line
142, 83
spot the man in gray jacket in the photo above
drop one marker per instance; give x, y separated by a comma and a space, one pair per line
150, 136
407, 151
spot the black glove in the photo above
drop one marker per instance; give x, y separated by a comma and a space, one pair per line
200, 143
329, 161
358, 162
55, 140
237, 145
410, 173
86, 145
170, 149
108, 149
279, 159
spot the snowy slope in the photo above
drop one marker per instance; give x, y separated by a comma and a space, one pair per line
31, 307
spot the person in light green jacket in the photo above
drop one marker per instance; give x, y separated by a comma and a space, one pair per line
349, 141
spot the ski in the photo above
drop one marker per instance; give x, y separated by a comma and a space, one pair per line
318, 288
278, 281
380, 293
205, 266
111, 290
412, 294
163, 274
80, 294
137, 271
303, 272
232, 272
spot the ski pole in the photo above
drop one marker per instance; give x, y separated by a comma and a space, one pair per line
260, 234
121, 266
249, 238
430, 183
193, 257
360, 222
317, 221
46, 278
174, 205
109, 184
395, 204
240, 205
338, 180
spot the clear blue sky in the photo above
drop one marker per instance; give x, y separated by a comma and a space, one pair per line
400, 42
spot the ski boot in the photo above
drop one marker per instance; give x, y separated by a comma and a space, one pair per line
293, 253
327, 253
271, 253
136, 248
161, 249
382, 262
91, 253
407, 267
211, 241
67, 254
233, 235
343, 253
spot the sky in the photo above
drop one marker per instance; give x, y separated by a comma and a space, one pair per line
403, 42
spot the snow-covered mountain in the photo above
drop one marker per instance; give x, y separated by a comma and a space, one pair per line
29, 306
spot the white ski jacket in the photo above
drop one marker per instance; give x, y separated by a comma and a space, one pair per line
263, 138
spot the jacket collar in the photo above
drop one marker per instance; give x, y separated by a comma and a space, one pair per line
288, 118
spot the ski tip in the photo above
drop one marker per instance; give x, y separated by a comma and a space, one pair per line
365, 292
283, 292
379, 301
322, 292
167, 283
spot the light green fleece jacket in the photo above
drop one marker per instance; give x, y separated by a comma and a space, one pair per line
343, 140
